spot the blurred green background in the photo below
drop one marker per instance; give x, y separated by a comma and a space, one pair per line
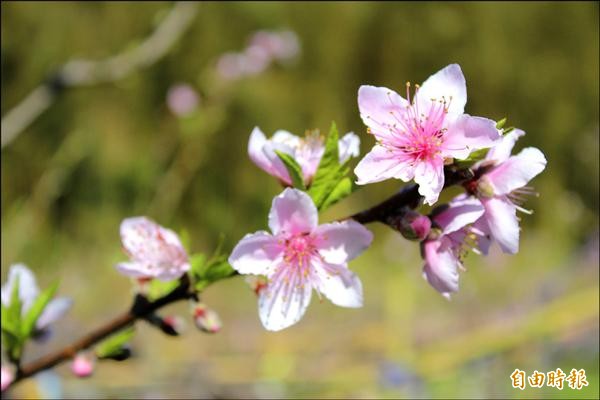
106, 152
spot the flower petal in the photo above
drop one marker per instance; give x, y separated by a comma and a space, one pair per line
501, 217
135, 269
255, 149
287, 140
55, 310
381, 164
379, 108
430, 177
482, 234
461, 211
338, 284
340, 242
262, 153
449, 84
501, 151
28, 289
517, 171
292, 212
255, 254
284, 300
441, 266
349, 146
469, 133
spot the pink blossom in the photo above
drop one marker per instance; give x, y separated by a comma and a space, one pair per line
415, 138
454, 234
154, 251
299, 256
7, 376
306, 151
502, 189
411, 224
28, 293
182, 99
278, 45
83, 365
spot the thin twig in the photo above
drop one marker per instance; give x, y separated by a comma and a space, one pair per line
86, 72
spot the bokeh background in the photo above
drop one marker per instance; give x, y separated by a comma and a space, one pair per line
104, 152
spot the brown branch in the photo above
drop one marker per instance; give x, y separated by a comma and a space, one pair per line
142, 308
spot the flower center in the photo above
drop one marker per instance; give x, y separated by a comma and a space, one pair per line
418, 133
298, 250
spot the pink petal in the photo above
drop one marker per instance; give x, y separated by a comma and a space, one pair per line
381, 164
469, 133
501, 217
501, 151
55, 310
135, 269
284, 301
261, 152
483, 236
338, 284
429, 175
256, 254
292, 212
377, 106
7, 376
441, 266
517, 171
349, 146
448, 83
340, 242
461, 211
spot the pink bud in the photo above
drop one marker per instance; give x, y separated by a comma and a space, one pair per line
7, 377
175, 322
182, 99
83, 365
412, 225
206, 319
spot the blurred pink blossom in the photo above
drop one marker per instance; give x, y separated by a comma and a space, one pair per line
154, 251
7, 376
300, 256
182, 99
83, 365
306, 151
415, 138
28, 293
206, 319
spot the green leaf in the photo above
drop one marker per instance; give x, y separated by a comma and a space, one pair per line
197, 265
343, 189
184, 236
329, 173
158, 288
500, 123
216, 270
113, 345
38, 306
293, 169
11, 324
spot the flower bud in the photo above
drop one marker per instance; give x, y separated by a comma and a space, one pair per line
182, 100
83, 365
206, 319
175, 322
411, 224
7, 377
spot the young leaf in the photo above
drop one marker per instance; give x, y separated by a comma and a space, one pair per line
11, 332
158, 288
293, 169
342, 190
500, 123
329, 172
197, 265
36, 309
113, 345
216, 270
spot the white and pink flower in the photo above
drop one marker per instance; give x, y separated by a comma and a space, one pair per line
306, 151
455, 233
28, 293
502, 188
415, 138
7, 377
300, 256
154, 251
83, 364
182, 99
